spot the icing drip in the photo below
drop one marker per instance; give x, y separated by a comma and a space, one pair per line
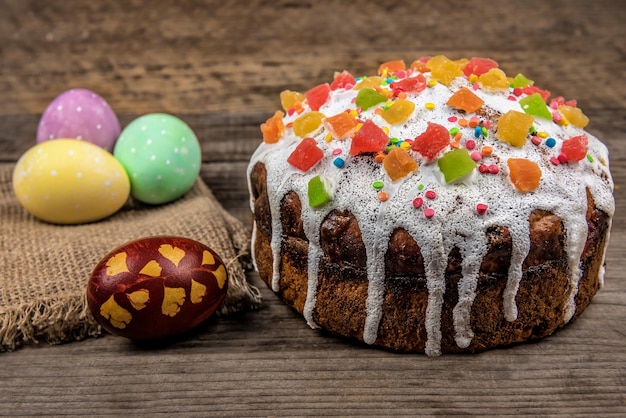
456, 223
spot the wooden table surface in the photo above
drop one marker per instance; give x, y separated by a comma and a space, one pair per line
220, 67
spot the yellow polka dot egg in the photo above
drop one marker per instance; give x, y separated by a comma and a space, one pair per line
68, 181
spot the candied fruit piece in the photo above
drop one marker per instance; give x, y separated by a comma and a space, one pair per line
408, 85
391, 66
369, 83
273, 128
464, 99
399, 111
306, 154
317, 96
370, 138
524, 174
367, 98
456, 164
398, 163
341, 125
343, 80
289, 98
536, 106
307, 123
575, 148
520, 81
494, 79
478, 66
530, 89
574, 115
513, 127
420, 64
444, 69
430, 142
319, 191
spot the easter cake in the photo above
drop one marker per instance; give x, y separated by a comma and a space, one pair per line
439, 207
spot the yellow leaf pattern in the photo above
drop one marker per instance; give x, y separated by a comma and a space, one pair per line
220, 276
152, 269
198, 291
139, 298
207, 258
116, 264
174, 254
173, 299
117, 316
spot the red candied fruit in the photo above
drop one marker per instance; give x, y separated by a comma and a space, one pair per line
575, 148
317, 96
409, 85
478, 66
530, 89
370, 138
430, 142
343, 80
306, 154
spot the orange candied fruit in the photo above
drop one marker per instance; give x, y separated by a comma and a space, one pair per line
391, 66
289, 98
420, 65
464, 99
341, 125
398, 163
273, 128
524, 174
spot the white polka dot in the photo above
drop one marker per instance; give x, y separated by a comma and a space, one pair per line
133, 149
98, 126
70, 152
77, 207
79, 109
51, 136
183, 139
60, 107
53, 173
46, 198
79, 175
107, 183
149, 141
176, 150
184, 151
167, 162
39, 151
96, 160
25, 197
79, 137
153, 157
159, 177
134, 175
162, 131
143, 128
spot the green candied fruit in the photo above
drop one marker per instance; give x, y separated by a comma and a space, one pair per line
456, 164
319, 191
367, 98
535, 106
521, 81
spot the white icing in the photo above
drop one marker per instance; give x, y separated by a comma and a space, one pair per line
562, 191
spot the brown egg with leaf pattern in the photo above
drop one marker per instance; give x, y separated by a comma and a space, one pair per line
156, 287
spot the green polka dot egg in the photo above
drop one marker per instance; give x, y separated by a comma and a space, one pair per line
161, 155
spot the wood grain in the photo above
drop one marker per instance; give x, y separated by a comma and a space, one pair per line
220, 66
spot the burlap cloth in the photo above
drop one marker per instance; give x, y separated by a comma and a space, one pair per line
44, 268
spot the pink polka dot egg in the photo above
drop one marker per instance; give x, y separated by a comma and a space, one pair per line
80, 114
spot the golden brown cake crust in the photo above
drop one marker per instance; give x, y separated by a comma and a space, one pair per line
342, 287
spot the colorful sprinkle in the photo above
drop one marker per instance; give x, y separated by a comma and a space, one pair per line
535, 140
550, 142
486, 151
337, 151
470, 144
542, 134
483, 168
429, 212
454, 131
383, 196
458, 136
555, 161
481, 208
477, 131
432, 82
378, 185
493, 169
339, 162
418, 202
430, 194
429, 105
589, 158
476, 156
562, 158
420, 187
452, 119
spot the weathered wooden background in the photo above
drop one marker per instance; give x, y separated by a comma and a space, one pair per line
220, 67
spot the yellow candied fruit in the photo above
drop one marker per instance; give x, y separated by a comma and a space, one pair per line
574, 115
307, 124
513, 127
444, 69
369, 83
399, 111
494, 79
289, 98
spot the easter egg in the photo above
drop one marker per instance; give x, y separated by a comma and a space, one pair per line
156, 287
67, 181
79, 114
161, 155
